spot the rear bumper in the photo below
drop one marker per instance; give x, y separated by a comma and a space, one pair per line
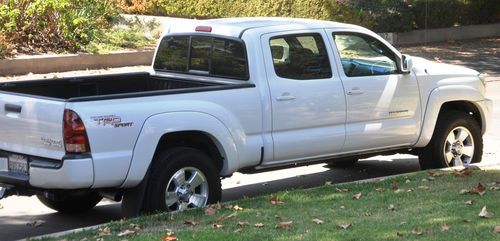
72, 174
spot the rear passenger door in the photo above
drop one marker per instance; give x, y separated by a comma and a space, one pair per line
307, 97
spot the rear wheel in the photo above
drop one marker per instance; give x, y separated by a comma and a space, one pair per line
71, 203
182, 178
457, 141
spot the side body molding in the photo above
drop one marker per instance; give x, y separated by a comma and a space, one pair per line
440, 96
158, 125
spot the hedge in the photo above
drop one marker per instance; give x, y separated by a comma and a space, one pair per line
378, 15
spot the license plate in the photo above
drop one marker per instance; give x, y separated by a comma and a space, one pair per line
18, 163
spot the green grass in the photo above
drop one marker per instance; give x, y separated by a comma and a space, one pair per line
370, 217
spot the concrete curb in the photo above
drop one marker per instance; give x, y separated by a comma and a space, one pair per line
57, 63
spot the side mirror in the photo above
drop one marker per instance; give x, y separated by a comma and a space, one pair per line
406, 64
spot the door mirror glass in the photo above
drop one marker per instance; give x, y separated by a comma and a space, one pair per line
406, 63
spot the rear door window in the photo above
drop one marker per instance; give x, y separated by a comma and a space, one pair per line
203, 55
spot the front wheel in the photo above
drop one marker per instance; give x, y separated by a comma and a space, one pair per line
182, 178
457, 141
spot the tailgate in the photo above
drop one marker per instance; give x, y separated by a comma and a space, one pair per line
31, 125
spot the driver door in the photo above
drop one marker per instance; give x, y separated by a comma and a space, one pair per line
383, 105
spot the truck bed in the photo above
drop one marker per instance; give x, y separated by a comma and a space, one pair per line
108, 86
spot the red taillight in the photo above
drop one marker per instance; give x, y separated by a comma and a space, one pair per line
203, 29
75, 136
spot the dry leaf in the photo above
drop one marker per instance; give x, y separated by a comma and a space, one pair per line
258, 225
394, 186
237, 208
345, 226
423, 187
232, 215
468, 202
242, 224
35, 223
400, 190
391, 207
191, 222
237, 230
433, 174
437, 59
1, 206
407, 181
135, 226
400, 234
284, 225
485, 214
274, 200
277, 218
496, 229
104, 231
342, 207
479, 189
431, 178
416, 231
168, 238
217, 226
258, 213
328, 183
122, 221
462, 173
210, 211
220, 219
228, 206
126, 232
341, 189
445, 228
464, 191
318, 221
403, 223
379, 189
218, 206
356, 196
169, 232
368, 214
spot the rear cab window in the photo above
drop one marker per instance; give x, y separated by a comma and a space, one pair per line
202, 55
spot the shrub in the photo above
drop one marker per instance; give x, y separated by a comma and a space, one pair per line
44, 25
6, 48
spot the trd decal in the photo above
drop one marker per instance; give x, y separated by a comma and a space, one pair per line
51, 142
111, 121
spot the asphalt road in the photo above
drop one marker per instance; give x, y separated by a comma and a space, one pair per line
16, 212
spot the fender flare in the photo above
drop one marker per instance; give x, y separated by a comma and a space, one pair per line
437, 98
158, 125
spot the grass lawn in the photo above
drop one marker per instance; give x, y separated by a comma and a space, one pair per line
417, 206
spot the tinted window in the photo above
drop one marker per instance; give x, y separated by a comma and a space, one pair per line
363, 55
300, 57
202, 55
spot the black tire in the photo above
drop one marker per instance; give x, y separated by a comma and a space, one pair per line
171, 161
72, 203
342, 163
433, 155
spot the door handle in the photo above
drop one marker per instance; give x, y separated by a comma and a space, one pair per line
355, 91
285, 96
13, 108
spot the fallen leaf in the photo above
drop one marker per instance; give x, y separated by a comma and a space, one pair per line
416, 231
445, 228
209, 211
462, 173
485, 214
191, 222
277, 218
479, 189
1, 206
104, 231
237, 230
423, 187
318, 221
169, 232
134, 226
232, 215
342, 207
258, 213
217, 226
394, 186
345, 226
466, 220
356, 196
237, 208
409, 190
431, 178
218, 206
228, 206
434, 174
328, 183
220, 219
35, 223
407, 181
400, 234
403, 223
284, 225
368, 214
341, 189
258, 225
464, 191
122, 221
400, 190
496, 229
437, 59
168, 238
379, 189
391, 207
126, 232
242, 224
468, 202
275, 200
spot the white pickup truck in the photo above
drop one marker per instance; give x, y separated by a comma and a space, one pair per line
229, 95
